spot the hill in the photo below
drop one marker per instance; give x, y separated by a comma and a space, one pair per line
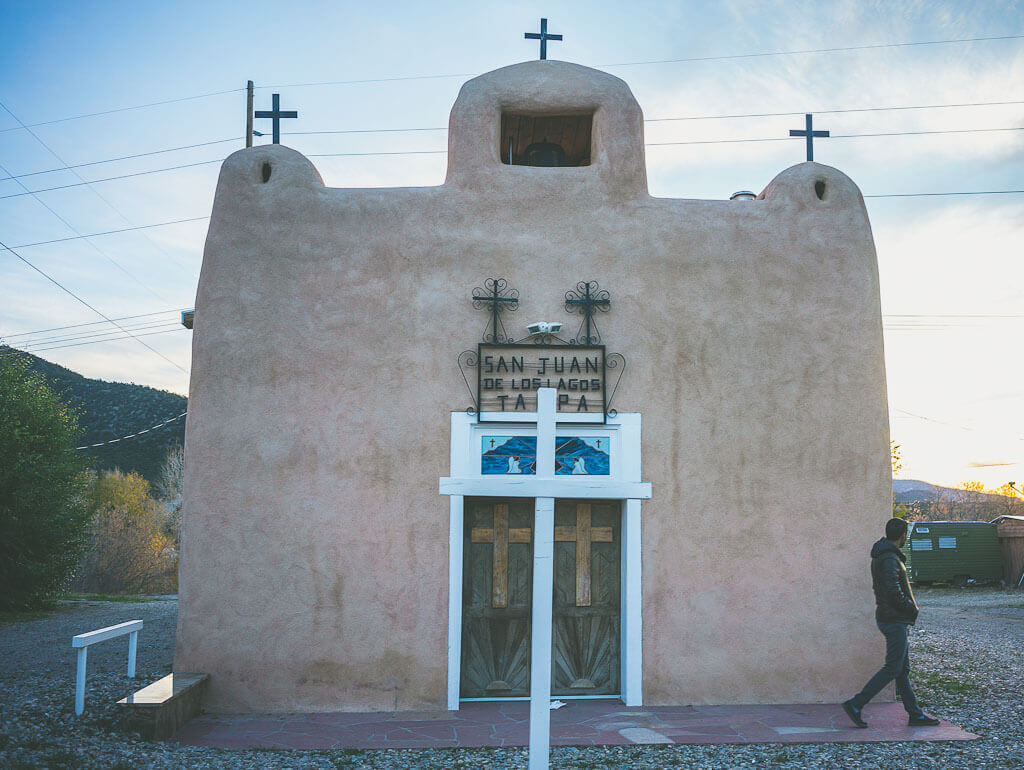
931, 502
110, 410
913, 491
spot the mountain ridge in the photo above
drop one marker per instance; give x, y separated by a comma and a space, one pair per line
915, 490
114, 410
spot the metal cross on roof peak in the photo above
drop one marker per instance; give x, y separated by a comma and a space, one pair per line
543, 36
276, 114
810, 134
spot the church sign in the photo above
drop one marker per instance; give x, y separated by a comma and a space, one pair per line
509, 375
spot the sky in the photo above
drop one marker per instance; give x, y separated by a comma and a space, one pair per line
951, 267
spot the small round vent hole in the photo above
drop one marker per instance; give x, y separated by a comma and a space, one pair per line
819, 189
266, 175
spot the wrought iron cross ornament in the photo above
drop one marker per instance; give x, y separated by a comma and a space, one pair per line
496, 297
810, 134
587, 298
276, 114
543, 36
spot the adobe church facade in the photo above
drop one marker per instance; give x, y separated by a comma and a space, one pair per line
359, 491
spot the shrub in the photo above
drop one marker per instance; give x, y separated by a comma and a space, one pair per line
129, 550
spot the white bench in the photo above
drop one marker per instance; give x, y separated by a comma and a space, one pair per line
81, 642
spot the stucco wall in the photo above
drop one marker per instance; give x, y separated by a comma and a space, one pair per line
328, 324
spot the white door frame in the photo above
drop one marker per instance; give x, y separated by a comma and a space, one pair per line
623, 483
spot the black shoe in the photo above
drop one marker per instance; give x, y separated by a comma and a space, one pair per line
854, 714
922, 720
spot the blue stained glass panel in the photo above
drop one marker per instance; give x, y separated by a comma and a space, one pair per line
503, 455
582, 456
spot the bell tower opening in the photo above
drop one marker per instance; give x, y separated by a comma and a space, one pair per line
546, 140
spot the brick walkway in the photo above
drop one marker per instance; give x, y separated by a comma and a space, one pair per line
579, 723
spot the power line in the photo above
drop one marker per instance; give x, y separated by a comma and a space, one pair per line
78, 234
123, 109
943, 194
42, 343
442, 152
930, 419
110, 232
124, 157
53, 340
445, 128
924, 133
199, 219
372, 80
116, 338
686, 117
365, 131
64, 288
91, 323
95, 192
726, 57
874, 46
832, 112
836, 136
133, 435
366, 154
112, 178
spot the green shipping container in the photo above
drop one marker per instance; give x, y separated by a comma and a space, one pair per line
953, 552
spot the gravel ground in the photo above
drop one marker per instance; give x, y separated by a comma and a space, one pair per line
966, 651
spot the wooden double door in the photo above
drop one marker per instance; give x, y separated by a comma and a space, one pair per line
498, 588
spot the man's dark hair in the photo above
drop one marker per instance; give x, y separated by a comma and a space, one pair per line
895, 529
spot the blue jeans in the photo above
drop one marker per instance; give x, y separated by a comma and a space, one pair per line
896, 668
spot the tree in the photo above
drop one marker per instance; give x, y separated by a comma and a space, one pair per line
129, 550
1010, 501
44, 511
899, 510
170, 488
895, 457
976, 504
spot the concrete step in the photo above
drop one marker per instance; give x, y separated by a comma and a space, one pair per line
160, 709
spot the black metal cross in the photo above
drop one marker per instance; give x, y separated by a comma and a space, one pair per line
810, 134
543, 36
276, 114
492, 297
587, 298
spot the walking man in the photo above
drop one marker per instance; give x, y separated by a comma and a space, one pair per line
895, 611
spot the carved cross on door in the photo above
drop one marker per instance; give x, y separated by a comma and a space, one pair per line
501, 536
583, 535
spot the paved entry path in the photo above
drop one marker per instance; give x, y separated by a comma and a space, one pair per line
579, 723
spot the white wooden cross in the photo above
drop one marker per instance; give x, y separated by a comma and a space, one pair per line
543, 587
544, 487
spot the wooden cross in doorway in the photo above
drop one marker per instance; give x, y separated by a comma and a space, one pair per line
583, 534
501, 536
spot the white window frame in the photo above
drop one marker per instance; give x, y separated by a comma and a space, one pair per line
623, 483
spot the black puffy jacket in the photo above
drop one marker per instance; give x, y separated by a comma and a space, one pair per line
893, 598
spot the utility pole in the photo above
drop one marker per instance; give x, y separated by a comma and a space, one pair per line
248, 114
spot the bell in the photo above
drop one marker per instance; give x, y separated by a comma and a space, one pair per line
544, 154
